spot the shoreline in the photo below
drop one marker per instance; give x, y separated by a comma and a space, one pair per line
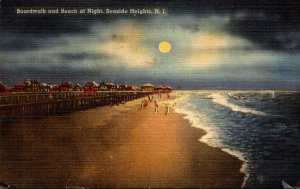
205, 138
119, 146
232, 153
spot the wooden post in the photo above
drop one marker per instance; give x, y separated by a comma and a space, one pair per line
48, 108
23, 110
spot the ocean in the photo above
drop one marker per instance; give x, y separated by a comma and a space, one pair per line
261, 128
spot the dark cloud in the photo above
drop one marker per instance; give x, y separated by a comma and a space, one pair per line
266, 23
270, 31
16, 45
261, 21
20, 42
57, 24
81, 56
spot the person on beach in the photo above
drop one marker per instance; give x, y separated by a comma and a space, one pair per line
145, 102
167, 109
156, 105
152, 97
142, 104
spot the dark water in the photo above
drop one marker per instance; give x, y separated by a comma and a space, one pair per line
261, 128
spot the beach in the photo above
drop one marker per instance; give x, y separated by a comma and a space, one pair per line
114, 146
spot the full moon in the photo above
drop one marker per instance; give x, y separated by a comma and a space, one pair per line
164, 47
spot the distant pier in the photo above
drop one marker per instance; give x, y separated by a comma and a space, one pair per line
52, 103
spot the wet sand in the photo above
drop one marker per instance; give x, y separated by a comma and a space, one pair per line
119, 146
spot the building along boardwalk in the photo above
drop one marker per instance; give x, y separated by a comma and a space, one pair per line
51, 103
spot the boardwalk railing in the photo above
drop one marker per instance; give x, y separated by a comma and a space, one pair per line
20, 104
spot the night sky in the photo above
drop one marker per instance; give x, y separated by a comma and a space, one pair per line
215, 44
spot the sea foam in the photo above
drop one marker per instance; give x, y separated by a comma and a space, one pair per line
218, 98
211, 137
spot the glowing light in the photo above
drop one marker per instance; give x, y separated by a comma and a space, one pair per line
164, 47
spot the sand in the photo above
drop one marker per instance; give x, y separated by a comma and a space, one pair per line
119, 146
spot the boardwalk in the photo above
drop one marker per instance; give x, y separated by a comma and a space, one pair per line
22, 104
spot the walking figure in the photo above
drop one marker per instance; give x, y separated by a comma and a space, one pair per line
167, 109
145, 102
151, 98
156, 105
142, 104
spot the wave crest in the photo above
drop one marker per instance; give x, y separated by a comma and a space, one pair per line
218, 98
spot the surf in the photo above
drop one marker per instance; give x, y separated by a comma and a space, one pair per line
201, 121
220, 99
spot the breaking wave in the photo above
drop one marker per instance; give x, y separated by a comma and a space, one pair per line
218, 98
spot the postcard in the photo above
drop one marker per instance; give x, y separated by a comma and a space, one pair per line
149, 94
